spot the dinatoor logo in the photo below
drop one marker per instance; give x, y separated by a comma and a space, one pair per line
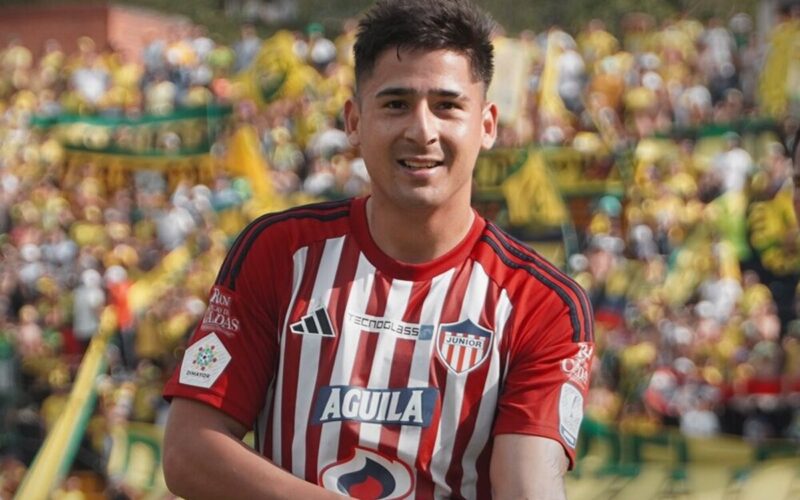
204, 362
368, 475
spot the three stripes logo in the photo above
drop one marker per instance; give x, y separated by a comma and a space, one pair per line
316, 323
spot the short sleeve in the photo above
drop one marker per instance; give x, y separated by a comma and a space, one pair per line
545, 389
232, 356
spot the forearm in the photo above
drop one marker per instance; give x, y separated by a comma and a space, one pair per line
527, 467
204, 460
537, 487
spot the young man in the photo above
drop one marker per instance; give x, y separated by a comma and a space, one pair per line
398, 346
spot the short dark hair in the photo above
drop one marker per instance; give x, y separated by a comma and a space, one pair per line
456, 25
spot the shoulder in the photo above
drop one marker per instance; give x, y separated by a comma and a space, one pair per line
536, 287
276, 236
299, 225
304, 218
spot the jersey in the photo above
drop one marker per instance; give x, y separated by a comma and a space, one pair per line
381, 379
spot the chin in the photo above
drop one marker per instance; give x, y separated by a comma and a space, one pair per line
418, 202
417, 198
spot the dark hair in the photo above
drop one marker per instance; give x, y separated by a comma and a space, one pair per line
456, 25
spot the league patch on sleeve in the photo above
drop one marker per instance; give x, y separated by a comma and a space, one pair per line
204, 362
577, 368
570, 413
219, 316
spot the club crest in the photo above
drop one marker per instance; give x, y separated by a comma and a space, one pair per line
463, 346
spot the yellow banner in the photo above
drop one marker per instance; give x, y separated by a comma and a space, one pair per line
116, 171
54, 458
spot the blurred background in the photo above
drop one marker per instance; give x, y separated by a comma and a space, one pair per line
644, 148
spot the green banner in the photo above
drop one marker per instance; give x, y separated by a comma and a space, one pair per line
188, 131
751, 126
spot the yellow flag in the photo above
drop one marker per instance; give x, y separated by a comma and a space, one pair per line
532, 195
245, 160
772, 91
551, 106
153, 285
771, 222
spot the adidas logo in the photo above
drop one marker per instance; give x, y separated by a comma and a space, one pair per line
316, 323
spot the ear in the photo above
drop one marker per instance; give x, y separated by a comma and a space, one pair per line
352, 120
489, 124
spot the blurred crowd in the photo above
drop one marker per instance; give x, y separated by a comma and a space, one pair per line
692, 278
693, 272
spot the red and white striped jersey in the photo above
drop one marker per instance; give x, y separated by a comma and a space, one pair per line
381, 379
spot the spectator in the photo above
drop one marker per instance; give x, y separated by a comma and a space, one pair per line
246, 48
89, 300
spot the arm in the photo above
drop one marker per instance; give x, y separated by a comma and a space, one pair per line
527, 467
540, 408
205, 458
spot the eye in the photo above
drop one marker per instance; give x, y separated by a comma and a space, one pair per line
447, 105
394, 104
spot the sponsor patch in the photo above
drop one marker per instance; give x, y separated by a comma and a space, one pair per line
570, 413
317, 323
368, 474
218, 316
577, 367
463, 346
407, 406
402, 329
204, 361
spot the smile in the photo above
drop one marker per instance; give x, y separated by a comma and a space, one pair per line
420, 164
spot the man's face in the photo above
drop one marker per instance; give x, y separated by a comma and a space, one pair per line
420, 120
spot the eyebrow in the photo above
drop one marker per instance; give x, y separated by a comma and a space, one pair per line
407, 91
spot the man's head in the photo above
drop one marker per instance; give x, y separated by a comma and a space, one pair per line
420, 116
455, 25
732, 140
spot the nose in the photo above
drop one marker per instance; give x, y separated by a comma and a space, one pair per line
421, 128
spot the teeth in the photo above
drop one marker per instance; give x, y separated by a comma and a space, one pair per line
419, 164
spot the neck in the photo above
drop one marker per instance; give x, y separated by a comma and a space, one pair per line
415, 236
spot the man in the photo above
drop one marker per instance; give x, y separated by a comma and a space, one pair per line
397, 346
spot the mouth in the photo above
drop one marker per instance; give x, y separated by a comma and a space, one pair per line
420, 164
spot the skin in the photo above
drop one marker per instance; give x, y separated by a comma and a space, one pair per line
527, 467
423, 107
418, 107
204, 458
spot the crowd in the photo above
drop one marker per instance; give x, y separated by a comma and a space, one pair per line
695, 309
696, 298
